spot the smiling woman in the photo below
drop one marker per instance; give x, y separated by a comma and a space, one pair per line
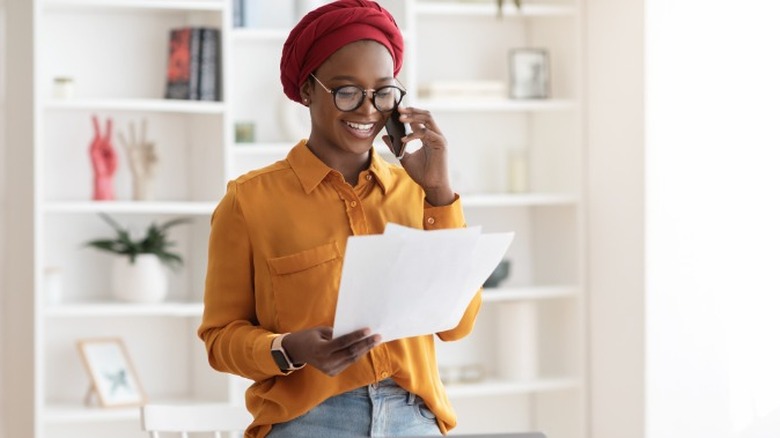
279, 236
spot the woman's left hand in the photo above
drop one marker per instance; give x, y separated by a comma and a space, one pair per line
428, 165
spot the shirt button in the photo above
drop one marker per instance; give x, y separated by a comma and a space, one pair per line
353, 204
385, 374
431, 221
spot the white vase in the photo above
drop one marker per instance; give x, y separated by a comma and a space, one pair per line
144, 281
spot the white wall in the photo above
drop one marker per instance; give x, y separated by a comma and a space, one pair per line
713, 219
615, 84
18, 328
3, 209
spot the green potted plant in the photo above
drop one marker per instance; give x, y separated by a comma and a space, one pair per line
139, 275
517, 3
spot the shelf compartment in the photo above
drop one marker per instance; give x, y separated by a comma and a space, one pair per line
504, 294
176, 5
141, 105
130, 207
499, 387
116, 309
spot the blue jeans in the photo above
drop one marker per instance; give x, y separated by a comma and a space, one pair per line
379, 409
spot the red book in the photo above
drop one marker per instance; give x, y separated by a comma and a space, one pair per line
183, 64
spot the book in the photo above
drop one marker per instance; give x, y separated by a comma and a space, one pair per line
238, 13
194, 69
209, 71
183, 72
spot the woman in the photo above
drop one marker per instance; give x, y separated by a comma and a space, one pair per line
279, 234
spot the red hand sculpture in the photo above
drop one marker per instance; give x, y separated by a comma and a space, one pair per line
104, 161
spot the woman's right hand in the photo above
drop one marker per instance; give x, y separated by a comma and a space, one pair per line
316, 348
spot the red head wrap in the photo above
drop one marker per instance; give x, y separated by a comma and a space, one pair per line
330, 27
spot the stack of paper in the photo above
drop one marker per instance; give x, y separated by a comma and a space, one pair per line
410, 282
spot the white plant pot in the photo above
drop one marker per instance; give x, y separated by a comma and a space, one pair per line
144, 281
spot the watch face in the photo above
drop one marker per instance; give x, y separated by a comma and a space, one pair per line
281, 362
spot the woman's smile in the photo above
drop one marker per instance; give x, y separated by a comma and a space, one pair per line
361, 130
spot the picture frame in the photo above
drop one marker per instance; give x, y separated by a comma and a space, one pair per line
112, 375
529, 73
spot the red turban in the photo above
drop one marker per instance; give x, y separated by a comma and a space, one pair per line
330, 27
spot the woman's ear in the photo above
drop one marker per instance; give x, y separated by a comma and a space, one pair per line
305, 92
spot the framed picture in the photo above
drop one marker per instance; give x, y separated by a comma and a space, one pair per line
529, 74
111, 373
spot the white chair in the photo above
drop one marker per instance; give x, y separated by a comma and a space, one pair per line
164, 420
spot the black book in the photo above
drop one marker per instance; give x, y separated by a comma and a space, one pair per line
209, 85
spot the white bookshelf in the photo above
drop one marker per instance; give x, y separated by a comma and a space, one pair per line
119, 73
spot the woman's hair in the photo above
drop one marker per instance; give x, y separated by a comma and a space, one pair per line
330, 27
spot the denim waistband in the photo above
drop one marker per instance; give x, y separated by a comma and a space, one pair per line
380, 388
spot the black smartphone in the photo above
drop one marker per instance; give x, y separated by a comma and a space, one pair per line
396, 130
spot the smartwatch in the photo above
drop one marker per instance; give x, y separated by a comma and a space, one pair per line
280, 356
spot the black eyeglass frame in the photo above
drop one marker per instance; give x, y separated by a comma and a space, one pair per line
374, 92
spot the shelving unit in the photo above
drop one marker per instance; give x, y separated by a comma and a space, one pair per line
529, 341
119, 72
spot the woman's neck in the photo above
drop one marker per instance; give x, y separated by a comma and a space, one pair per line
347, 164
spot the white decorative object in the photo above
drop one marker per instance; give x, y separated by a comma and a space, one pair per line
64, 87
52, 281
518, 171
144, 281
529, 74
444, 89
144, 160
517, 343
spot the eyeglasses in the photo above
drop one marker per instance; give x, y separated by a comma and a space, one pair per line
349, 97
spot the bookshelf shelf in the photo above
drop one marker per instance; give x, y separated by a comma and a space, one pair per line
130, 207
490, 10
499, 295
145, 105
174, 5
115, 309
505, 387
260, 35
519, 200
77, 413
497, 105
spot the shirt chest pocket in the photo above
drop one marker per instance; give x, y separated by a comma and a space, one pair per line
305, 287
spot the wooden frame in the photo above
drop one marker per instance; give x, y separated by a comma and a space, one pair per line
111, 373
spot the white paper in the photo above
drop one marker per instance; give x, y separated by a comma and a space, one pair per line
410, 282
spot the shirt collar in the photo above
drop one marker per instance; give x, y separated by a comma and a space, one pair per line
311, 171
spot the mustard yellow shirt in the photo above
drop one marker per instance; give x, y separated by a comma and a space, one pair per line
275, 254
